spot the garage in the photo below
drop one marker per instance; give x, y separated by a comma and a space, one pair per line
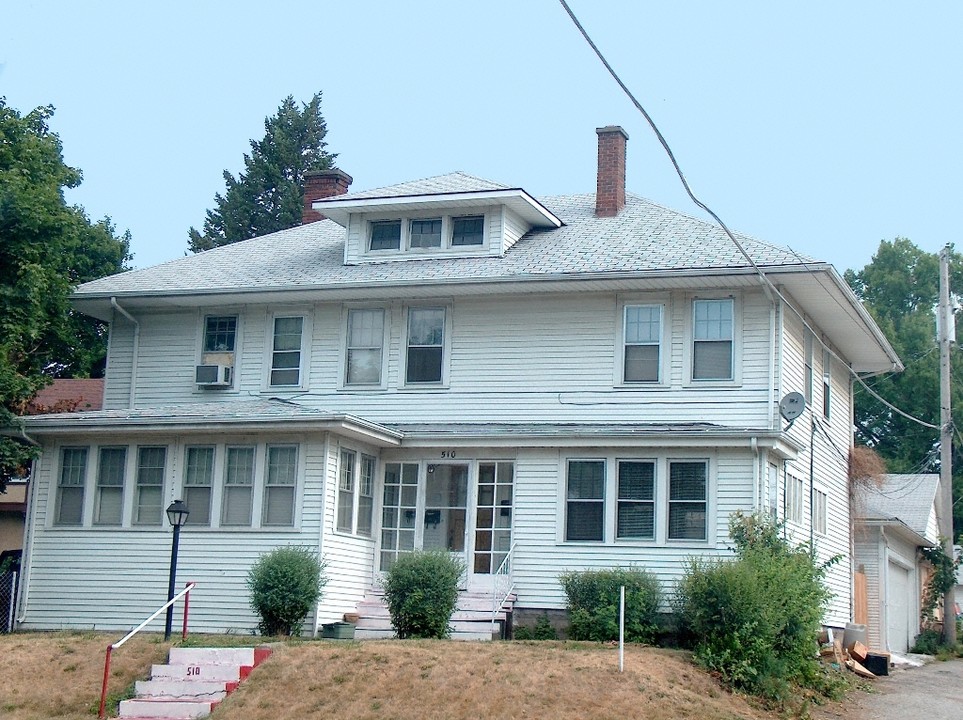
900, 615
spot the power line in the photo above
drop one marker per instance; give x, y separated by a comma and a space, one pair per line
770, 286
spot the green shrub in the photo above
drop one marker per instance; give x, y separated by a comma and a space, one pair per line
285, 583
593, 603
542, 630
755, 619
928, 642
421, 590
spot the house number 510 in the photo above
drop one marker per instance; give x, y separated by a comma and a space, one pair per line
448, 454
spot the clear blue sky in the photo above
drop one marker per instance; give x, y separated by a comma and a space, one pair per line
822, 126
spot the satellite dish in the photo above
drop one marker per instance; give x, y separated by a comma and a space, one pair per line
792, 406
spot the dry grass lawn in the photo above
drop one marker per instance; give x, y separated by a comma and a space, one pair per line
57, 675
414, 680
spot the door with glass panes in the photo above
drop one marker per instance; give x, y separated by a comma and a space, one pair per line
462, 508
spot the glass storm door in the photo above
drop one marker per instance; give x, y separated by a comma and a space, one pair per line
446, 509
493, 519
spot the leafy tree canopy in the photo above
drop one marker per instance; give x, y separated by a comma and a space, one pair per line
900, 288
268, 195
46, 248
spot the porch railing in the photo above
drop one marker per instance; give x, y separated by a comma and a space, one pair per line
502, 584
186, 594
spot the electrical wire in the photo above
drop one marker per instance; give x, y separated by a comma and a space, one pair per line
771, 288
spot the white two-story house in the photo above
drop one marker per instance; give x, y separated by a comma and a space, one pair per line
534, 384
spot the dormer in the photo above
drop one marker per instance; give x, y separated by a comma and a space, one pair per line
454, 215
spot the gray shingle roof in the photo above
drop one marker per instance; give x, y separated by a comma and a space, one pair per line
908, 498
643, 237
456, 182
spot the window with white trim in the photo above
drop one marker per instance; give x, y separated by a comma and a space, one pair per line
220, 333
111, 468
366, 495
149, 501
280, 482
346, 492
237, 493
364, 346
795, 487
585, 500
827, 381
458, 234
688, 500
286, 352
198, 484
425, 356
712, 340
642, 338
820, 511
70, 486
635, 514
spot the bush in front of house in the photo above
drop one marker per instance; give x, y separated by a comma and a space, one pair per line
285, 583
755, 619
541, 630
593, 603
421, 590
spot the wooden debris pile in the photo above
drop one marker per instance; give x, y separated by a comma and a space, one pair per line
857, 658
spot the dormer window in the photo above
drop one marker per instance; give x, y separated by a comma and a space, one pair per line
469, 230
386, 235
425, 233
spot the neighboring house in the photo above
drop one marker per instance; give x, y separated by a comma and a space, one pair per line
533, 384
892, 522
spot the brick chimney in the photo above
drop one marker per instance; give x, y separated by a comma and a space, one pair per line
321, 184
610, 195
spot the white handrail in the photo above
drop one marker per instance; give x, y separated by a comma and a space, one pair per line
504, 570
113, 646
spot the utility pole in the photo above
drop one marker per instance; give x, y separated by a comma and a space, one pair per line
947, 334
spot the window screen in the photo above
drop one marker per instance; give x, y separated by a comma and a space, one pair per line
636, 501
110, 486
279, 486
426, 344
150, 485
70, 488
198, 480
364, 347
643, 335
238, 485
585, 500
687, 500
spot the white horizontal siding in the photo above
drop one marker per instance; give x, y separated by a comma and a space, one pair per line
120, 355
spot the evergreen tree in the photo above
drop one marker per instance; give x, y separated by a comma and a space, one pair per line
46, 248
900, 288
268, 195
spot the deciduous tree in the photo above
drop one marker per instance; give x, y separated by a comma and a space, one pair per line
900, 288
46, 248
267, 195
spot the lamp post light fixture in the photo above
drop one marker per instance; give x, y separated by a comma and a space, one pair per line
177, 513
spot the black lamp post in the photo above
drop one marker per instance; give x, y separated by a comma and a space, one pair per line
177, 513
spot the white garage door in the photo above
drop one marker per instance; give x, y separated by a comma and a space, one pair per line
899, 608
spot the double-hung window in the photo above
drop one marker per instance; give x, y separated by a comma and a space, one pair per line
827, 381
279, 485
286, 352
198, 484
70, 487
238, 486
109, 508
585, 500
366, 495
635, 517
712, 340
688, 500
794, 499
149, 505
820, 516
426, 345
643, 338
346, 490
220, 333
365, 346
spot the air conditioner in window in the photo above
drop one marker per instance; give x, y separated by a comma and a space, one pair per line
212, 376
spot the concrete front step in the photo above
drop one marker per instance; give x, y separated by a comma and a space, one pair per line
192, 683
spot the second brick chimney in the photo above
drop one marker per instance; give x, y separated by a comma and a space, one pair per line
321, 184
610, 195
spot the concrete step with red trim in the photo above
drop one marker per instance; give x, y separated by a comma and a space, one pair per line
193, 682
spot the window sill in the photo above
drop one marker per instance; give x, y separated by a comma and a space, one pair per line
352, 536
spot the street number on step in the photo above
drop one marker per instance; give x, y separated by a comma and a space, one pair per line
193, 670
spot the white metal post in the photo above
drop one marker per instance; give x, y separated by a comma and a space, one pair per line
621, 628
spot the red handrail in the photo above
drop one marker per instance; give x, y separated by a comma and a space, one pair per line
186, 593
